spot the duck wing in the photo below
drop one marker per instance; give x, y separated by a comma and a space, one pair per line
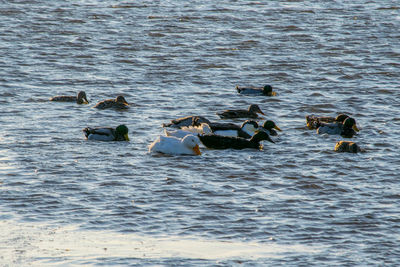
63, 98
218, 126
101, 134
237, 114
330, 128
186, 121
249, 91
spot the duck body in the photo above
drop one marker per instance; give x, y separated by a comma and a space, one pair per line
187, 121
226, 142
189, 145
239, 113
313, 122
80, 98
346, 129
107, 133
246, 130
347, 146
117, 103
266, 90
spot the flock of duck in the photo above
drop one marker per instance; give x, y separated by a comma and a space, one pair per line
183, 136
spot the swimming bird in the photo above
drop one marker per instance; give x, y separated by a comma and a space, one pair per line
347, 146
186, 121
190, 130
246, 130
346, 129
189, 145
266, 90
107, 134
80, 98
313, 122
269, 126
225, 142
240, 113
117, 103
203, 128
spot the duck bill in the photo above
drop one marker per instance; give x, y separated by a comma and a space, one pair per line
261, 112
277, 128
85, 101
126, 137
273, 93
196, 150
355, 128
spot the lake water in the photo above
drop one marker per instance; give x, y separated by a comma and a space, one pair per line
66, 201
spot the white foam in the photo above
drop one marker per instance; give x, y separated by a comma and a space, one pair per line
39, 245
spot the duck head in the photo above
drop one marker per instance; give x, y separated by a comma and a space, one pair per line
267, 90
260, 136
120, 99
122, 131
192, 142
81, 98
255, 109
271, 125
350, 123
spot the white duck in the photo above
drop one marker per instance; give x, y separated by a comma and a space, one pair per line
202, 129
189, 145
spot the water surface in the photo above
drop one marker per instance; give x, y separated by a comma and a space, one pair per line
296, 202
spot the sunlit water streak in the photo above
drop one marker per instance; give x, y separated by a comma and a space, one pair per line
169, 59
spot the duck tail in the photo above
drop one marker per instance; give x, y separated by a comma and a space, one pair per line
86, 131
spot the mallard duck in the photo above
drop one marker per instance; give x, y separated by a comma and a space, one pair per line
266, 90
246, 130
313, 122
186, 121
80, 98
240, 113
347, 146
107, 134
117, 103
346, 129
269, 126
190, 130
189, 145
225, 142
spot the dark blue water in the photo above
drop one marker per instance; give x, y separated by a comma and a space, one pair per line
66, 201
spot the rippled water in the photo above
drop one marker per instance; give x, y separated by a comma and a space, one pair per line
65, 200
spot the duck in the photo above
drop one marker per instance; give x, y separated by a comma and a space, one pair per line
226, 142
347, 146
246, 130
269, 127
201, 129
189, 145
80, 98
266, 90
120, 133
348, 128
186, 121
204, 128
240, 113
313, 122
118, 103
